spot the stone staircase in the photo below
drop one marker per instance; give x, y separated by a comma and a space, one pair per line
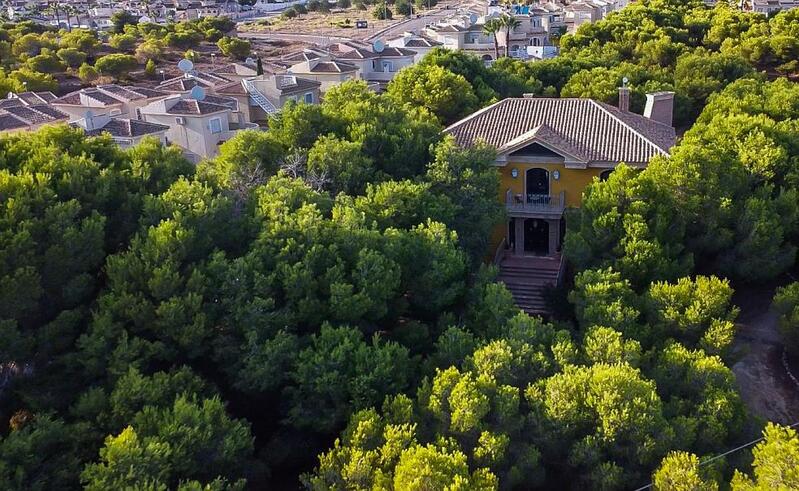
527, 277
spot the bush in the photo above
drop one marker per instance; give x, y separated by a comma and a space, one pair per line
47, 62
34, 80
123, 42
151, 49
786, 303
116, 65
149, 69
403, 7
343, 4
314, 5
382, 12
234, 47
213, 35
290, 12
72, 57
88, 73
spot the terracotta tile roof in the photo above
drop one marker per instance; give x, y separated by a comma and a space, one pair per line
109, 95
11, 103
182, 84
11, 122
354, 54
38, 114
332, 67
222, 101
128, 128
421, 43
289, 84
194, 107
32, 98
233, 88
587, 130
301, 56
449, 28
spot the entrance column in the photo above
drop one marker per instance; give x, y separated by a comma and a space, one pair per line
554, 236
518, 224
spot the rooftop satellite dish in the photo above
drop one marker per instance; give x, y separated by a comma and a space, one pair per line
249, 61
185, 65
378, 46
473, 18
197, 93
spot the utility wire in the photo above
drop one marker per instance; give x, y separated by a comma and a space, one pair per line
711, 459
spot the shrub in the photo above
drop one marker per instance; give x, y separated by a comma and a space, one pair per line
149, 69
234, 47
403, 7
382, 12
88, 73
123, 42
116, 65
72, 57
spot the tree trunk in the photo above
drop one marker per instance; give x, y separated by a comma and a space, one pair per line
496, 47
507, 41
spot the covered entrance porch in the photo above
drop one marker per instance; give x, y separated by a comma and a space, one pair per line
532, 236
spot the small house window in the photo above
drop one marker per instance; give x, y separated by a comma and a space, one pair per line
605, 175
215, 125
309, 98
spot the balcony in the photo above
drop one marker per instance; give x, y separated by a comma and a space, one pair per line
535, 205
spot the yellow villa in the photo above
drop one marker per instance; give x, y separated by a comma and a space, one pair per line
548, 151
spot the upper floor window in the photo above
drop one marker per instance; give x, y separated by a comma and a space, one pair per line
215, 125
605, 175
309, 98
388, 66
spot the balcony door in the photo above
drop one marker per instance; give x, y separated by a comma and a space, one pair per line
537, 186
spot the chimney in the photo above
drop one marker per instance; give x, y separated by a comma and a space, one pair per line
660, 107
624, 98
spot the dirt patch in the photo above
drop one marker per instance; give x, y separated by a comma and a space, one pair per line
764, 385
339, 22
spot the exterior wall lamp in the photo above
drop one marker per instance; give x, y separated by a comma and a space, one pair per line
556, 175
514, 172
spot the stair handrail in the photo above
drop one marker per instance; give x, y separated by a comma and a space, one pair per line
500, 252
259, 97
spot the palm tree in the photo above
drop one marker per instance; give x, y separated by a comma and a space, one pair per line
492, 28
509, 22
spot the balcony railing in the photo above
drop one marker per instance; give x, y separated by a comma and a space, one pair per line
535, 203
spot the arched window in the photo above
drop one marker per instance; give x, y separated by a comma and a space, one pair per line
537, 181
605, 175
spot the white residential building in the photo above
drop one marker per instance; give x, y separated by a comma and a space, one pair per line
198, 126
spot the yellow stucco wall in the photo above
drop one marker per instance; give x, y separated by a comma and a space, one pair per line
573, 181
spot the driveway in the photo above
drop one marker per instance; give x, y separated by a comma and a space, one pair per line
764, 384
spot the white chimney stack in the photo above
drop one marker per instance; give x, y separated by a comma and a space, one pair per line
660, 107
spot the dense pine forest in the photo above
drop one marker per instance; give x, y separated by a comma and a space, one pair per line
313, 308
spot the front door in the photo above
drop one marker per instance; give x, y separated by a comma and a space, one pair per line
537, 185
536, 236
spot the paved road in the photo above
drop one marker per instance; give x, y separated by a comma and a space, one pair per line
414, 24
394, 30
763, 383
305, 38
